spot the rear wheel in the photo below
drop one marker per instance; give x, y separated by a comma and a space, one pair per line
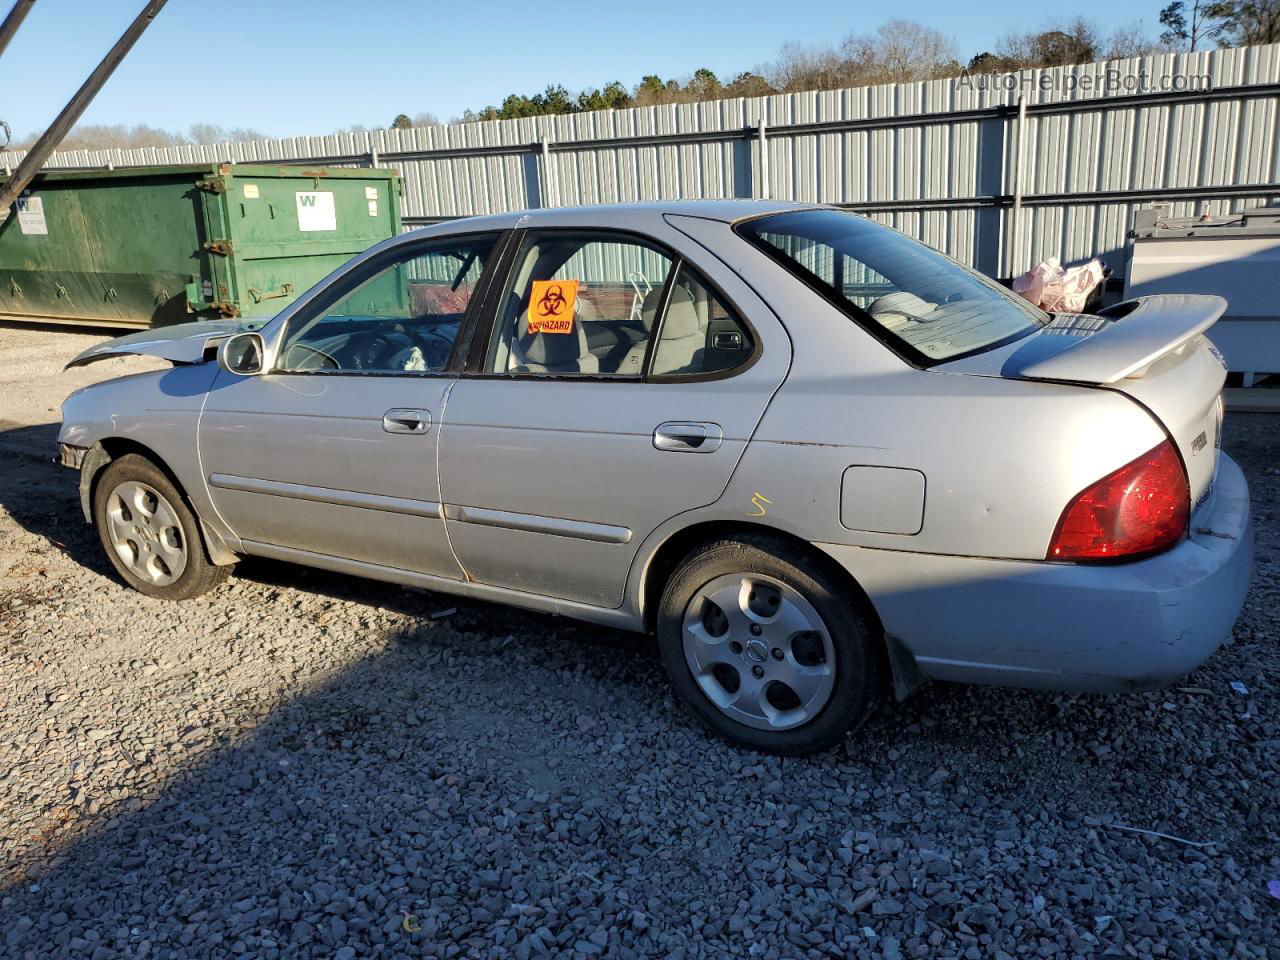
151, 536
767, 648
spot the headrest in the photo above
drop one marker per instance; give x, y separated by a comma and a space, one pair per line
895, 309
649, 307
551, 349
682, 317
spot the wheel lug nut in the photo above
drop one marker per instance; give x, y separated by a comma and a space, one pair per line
735, 646
755, 630
757, 672
777, 653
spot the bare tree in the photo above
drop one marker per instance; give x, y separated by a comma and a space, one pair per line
1132, 41
1013, 51
902, 50
898, 51
808, 68
120, 136
206, 133
107, 137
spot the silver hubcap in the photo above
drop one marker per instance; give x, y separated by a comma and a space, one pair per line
759, 651
145, 533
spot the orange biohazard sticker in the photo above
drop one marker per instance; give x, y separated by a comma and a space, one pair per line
551, 306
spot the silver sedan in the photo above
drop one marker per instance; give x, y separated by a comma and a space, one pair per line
818, 460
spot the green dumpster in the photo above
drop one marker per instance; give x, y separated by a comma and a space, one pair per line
146, 246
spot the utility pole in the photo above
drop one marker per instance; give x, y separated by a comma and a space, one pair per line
39, 153
13, 21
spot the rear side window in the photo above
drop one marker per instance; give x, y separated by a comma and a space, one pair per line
700, 335
579, 304
611, 305
922, 303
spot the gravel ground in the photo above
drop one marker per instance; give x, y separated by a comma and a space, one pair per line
305, 765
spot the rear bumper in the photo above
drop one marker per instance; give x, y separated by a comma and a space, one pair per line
1069, 627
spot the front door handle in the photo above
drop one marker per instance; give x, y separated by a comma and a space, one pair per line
404, 420
680, 436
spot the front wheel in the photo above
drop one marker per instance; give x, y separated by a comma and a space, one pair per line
767, 648
151, 536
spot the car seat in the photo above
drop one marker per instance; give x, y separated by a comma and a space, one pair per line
683, 336
898, 308
551, 352
633, 360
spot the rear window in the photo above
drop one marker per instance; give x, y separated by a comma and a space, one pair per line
923, 304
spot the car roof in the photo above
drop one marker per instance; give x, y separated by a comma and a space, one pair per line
621, 215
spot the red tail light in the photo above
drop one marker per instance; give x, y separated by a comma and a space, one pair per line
1141, 508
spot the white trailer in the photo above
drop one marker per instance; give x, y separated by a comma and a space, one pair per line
1237, 258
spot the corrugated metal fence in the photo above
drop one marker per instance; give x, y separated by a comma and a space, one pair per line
953, 162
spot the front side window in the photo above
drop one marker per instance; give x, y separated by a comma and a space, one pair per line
402, 319
908, 294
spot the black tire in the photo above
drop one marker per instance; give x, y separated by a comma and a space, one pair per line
855, 644
198, 574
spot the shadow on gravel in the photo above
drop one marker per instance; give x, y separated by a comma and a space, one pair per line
389, 790
509, 784
43, 497
34, 443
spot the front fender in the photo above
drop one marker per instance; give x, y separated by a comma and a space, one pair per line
94, 460
156, 413
97, 457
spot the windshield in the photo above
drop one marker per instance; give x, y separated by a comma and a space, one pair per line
908, 295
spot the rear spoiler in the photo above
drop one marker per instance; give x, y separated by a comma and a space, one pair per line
1135, 335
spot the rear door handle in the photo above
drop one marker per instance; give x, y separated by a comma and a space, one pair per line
404, 420
680, 436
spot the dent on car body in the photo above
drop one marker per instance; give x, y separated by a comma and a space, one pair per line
180, 343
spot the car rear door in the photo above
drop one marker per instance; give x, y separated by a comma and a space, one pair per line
333, 452
560, 451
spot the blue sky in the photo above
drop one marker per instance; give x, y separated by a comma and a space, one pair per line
287, 67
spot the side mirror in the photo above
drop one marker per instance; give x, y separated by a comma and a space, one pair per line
242, 354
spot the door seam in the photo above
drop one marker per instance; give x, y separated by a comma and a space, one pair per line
444, 520
204, 477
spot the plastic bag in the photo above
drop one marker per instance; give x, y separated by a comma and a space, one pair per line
1031, 285
1056, 290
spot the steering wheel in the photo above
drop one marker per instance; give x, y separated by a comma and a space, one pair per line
326, 361
377, 346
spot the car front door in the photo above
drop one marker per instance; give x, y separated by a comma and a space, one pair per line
333, 451
619, 387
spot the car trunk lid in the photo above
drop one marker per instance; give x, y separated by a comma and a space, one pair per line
1152, 349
